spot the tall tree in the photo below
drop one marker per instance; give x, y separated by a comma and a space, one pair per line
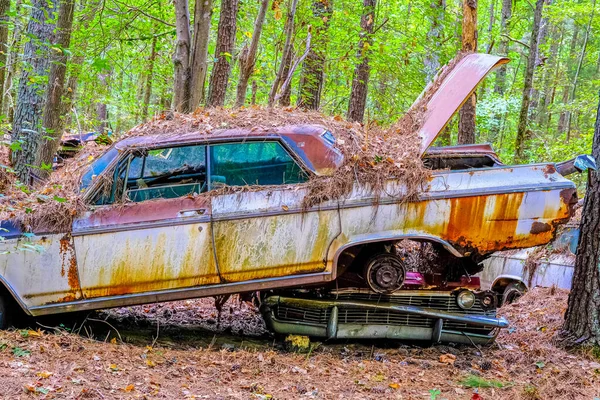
579, 64
149, 77
53, 119
522, 130
434, 35
506, 14
287, 53
4, 20
313, 69
181, 57
466, 115
223, 53
202, 16
8, 89
362, 71
248, 55
582, 319
27, 124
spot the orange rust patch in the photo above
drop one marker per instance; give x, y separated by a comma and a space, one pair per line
549, 170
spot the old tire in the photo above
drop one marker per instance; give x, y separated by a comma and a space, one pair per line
3, 313
513, 292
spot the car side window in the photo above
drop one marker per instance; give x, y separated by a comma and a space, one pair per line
253, 163
160, 173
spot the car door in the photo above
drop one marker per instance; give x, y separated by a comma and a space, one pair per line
262, 231
160, 239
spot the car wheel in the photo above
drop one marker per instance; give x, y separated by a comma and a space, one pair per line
513, 292
385, 273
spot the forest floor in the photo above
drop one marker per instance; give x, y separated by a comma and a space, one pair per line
196, 356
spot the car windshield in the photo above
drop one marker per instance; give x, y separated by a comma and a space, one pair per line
98, 167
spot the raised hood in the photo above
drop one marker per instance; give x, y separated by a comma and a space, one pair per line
453, 92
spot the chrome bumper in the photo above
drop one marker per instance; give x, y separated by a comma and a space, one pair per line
336, 329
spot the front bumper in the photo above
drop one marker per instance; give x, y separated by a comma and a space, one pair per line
366, 319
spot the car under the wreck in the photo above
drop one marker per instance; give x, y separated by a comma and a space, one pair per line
355, 267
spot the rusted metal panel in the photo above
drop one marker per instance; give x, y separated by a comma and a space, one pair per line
266, 234
479, 211
40, 270
148, 246
460, 83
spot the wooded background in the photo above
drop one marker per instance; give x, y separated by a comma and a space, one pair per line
109, 64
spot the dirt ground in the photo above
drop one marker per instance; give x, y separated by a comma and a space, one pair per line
116, 354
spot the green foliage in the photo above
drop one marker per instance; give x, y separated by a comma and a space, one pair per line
474, 381
113, 39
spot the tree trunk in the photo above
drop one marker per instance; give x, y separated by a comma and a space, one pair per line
540, 60
466, 115
313, 69
102, 115
286, 56
582, 319
546, 93
27, 125
4, 9
254, 91
562, 120
223, 54
285, 94
506, 12
522, 130
202, 17
434, 34
362, 71
71, 88
149, 77
248, 55
181, 57
579, 63
53, 118
8, 91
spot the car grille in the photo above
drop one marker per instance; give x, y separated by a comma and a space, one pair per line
357, 315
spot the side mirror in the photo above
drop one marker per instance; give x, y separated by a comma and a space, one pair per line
580, 163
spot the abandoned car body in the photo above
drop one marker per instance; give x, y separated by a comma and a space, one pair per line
149, 238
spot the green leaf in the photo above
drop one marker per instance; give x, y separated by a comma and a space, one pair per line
19, 352
540, 364
434, 393
59, 199
46, 167
16, 146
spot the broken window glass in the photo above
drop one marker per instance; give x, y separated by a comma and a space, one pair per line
253, 163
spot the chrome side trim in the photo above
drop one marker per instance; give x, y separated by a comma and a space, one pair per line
181, 294
140, 225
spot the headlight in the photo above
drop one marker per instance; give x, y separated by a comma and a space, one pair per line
465, 299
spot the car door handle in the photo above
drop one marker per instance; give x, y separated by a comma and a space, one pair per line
191, 213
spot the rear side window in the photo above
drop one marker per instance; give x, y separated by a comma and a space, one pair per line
253, 163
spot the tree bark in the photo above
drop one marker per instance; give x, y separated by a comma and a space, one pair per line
579, 63
223, 54
286, 56
582, 318
53, 118
506, 14
434, 34
202, 17
522, 130
362, 71
149, 77
466, 115
313, 69
27, 125
547, 90
71, 88
8, 91
285, 87
562, 120
248, 55
4, 9
181, 57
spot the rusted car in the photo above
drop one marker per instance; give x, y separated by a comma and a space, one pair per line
337, 269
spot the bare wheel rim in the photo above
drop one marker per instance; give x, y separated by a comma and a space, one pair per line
385, 273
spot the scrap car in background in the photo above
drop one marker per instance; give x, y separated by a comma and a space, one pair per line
338, 269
